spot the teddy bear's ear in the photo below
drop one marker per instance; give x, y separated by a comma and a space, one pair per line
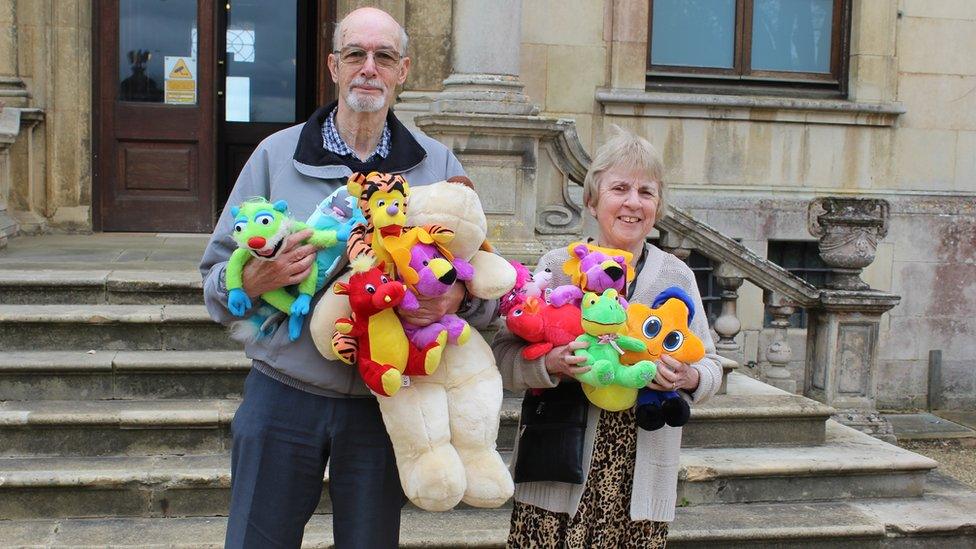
340, 288
619, 259
460, 179
234, 210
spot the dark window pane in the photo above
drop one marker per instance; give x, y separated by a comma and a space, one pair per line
693, 33
801, 258
791, 35
261, 61
149, 32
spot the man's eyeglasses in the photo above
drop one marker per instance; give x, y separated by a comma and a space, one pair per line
355, 57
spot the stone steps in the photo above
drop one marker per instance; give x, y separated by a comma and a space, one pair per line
124, 287
87, 375
849, 465
932, 520
110, 327
115, 427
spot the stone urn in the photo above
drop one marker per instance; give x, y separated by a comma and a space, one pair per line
849, 230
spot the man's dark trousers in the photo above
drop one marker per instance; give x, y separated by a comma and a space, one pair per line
283, 438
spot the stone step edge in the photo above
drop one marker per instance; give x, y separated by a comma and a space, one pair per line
101, 314
111, 280
42, 362
489, 527
712, 464
131, 414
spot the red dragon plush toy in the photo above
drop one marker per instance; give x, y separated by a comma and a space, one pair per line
382, 349
543, 325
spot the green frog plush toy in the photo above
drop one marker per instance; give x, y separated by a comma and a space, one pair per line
604, 322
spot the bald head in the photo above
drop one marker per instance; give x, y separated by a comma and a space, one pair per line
371, 18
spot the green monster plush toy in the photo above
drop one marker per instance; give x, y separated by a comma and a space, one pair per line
260, 228
605, 322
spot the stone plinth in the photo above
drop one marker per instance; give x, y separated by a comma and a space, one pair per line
842, 350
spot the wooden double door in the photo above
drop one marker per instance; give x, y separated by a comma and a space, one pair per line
183, 92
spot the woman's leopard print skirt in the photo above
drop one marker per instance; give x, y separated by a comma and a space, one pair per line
603, 518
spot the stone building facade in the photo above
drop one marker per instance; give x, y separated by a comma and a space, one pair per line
747, 164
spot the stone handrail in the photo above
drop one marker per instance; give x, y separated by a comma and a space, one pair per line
727, 251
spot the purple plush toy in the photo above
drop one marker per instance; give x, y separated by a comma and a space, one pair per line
435, 274
594, 269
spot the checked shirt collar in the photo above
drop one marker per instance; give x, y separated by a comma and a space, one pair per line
333, 141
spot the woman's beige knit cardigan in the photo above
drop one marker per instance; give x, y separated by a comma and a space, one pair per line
656, 469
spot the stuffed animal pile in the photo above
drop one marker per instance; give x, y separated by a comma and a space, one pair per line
624, 339
443, 422
260, 229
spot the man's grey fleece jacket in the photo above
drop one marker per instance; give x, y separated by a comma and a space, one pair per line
293, 165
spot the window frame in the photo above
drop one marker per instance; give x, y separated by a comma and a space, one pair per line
741, 78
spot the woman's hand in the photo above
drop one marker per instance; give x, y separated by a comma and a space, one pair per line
293, 265
561, 360
673, 374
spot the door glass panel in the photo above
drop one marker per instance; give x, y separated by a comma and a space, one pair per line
158, 51
693, 33
262, 39
792, 35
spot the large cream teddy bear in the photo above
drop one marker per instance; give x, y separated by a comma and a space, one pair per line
443, 426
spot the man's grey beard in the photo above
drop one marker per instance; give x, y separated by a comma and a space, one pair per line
365, 103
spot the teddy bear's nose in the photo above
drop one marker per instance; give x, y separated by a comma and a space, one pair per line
256, 242
614, 272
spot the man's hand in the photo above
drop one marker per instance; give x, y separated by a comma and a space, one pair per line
672, 374
293, 264
433, 308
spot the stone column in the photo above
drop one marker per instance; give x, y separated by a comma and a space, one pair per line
9, 128
728, 325
842, 332
523, 166
779, 353
486, 61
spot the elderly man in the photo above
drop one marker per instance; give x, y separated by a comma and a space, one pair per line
300, 410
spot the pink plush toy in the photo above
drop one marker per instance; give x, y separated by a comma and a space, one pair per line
594, 269
526, 285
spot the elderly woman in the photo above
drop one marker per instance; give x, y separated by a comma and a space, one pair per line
627, 496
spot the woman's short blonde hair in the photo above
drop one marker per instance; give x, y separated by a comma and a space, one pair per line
627, 151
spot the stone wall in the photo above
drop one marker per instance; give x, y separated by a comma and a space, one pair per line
46, 45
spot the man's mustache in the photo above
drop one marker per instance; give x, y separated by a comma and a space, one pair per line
367, 83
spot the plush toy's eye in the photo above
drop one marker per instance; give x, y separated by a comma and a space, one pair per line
672, 341
264, 219
517, 312
426, 263
396, 203
239, 226
370, 289
383, 279
380, 203
651, 327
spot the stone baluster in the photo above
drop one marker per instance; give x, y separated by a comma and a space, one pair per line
727, 325
779, 353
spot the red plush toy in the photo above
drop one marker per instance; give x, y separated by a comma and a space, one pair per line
543, 325
374, 334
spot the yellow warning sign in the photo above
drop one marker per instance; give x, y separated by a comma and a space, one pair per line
181, 80
180, 71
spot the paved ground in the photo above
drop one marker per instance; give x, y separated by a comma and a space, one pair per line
946, 436
105, 251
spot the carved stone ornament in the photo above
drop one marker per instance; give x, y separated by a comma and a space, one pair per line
849, 230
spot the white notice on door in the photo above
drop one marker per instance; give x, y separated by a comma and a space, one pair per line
181, 80
238, 99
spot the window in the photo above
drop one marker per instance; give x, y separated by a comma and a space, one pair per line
801, 258
753, 45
